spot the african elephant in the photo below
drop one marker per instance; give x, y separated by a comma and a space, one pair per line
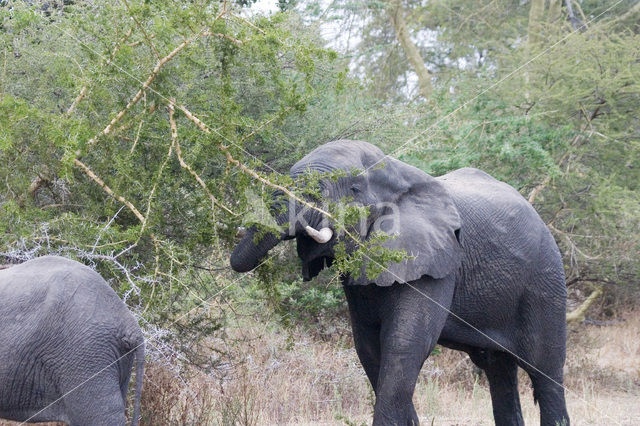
67, 345
483, 275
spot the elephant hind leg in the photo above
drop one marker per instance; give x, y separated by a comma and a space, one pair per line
548, 392
543, 350
502, 372
99, 410
95, 400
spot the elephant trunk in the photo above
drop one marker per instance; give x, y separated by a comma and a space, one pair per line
249, 252
247, 255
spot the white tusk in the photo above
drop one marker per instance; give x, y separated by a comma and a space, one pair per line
241, 231
321, 236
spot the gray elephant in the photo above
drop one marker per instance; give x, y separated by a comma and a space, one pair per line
483, 276
67, 345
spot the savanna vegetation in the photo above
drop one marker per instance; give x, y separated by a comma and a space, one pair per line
137, 136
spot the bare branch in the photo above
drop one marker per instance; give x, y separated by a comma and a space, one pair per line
108, 190
184, 165
85, 88
145, 86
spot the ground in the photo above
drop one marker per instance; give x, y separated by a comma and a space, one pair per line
303, 380
291, 378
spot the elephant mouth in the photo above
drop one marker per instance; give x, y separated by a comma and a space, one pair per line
312, 267
314, 256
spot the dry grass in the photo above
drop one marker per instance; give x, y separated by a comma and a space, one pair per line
306, 381
294, 379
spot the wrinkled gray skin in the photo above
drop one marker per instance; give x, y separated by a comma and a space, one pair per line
480, 251
62, 328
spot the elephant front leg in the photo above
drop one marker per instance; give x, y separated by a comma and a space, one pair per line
365, 325
396, 384
366, 338
410, 330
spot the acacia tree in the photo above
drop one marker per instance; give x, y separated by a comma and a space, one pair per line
131, 128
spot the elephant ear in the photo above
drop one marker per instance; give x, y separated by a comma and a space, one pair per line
421, 218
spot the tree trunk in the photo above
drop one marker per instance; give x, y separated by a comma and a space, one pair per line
576, 23
555, 11
577, 315
396, 16
536, 14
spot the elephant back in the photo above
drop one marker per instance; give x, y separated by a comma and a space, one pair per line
48, 288
498, 224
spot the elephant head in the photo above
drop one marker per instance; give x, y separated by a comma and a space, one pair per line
411, 206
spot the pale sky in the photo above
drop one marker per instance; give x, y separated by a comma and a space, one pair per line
265, 6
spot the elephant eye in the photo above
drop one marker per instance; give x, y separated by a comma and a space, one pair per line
355, 189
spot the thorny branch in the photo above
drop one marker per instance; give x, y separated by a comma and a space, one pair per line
225, 36
230, 159
247, 170
153, 189
574, 142
85, 88
109, 191
184, 165
77, 100
146, 36
154, 73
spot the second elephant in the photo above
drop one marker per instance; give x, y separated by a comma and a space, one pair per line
68, 345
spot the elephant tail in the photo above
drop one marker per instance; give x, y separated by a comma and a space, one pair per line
139, 378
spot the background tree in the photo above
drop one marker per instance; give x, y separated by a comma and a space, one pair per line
507, 99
